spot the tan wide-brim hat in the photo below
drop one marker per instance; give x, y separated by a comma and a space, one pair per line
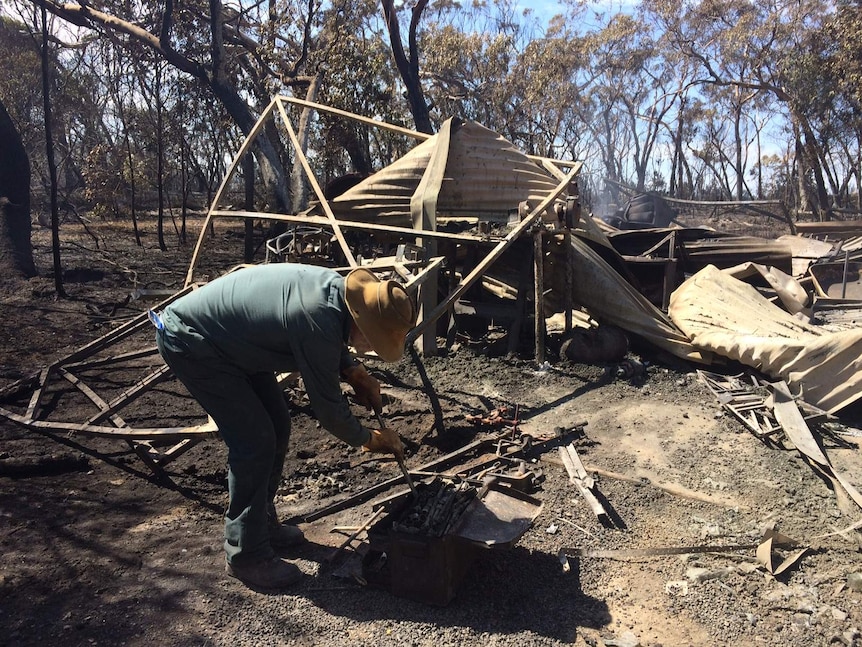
382, 310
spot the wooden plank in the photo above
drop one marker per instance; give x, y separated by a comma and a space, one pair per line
575, 479
35, 398
539, 295
585, 477
178, 450
349, 224
148, 454
94, 397
432, 268
161, 374
147, 433
114, 359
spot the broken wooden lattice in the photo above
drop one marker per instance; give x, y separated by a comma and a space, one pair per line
769, 409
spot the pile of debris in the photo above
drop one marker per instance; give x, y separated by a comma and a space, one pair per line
484, 235
436, 510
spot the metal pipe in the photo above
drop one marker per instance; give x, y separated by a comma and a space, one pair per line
399, 456
844, 275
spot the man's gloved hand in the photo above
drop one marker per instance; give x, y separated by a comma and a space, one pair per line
384, 441
365, 386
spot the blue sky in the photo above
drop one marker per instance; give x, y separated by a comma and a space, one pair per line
545, 9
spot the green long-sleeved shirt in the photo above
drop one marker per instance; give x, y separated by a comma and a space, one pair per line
281, 317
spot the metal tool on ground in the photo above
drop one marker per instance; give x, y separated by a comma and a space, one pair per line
376, 489
585, 483
399, 456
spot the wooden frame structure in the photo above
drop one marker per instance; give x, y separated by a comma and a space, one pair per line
106, 420
157, 446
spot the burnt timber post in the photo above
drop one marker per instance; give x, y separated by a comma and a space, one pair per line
539, 295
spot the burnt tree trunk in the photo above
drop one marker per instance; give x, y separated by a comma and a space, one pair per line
49, 156
160, 159
408, 63
16, 251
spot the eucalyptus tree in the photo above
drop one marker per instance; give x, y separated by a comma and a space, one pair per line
79, 92
571, 91
408, 62
728, 141
645, 84
19, 99
548, 91
242, 55
20, 88
755, 47
716, 138
104, 152
682, 130
76, 111
49, 146
353, 65
36, 81
475, 69
622, 97
469, 74
837, 111
118, 86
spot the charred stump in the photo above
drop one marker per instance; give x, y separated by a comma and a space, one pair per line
16, 250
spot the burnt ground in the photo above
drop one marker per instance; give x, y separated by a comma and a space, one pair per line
96, 549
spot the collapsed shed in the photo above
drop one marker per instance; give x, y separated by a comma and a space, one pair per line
526, 193
479, 232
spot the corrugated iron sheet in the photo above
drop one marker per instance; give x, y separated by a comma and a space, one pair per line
485, 176
730, 318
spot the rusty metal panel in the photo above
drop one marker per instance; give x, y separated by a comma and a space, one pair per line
730, 318
485, 176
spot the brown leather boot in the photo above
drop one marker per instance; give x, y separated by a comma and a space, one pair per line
272, 573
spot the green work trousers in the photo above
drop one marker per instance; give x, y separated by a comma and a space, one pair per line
254, 421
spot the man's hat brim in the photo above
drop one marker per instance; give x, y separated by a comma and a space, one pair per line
382, 310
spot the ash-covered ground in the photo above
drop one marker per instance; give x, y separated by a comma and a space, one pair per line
96, 549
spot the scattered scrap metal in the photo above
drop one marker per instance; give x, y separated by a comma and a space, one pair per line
495, 418
775, 416
787, 308
765, 551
